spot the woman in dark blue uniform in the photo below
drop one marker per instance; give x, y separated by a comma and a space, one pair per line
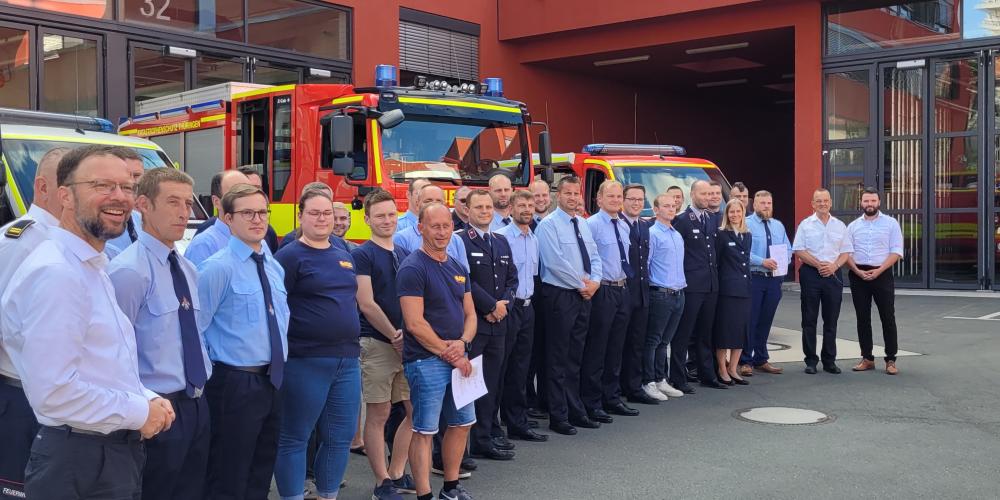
733, 310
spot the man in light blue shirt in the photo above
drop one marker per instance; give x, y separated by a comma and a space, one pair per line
501, 191
602, 353
156, 289
216, 237
115, 246
765, 287
571, 275
410, 238
409, 218
666, 298
244, 310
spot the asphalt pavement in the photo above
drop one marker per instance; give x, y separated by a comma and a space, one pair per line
933, 431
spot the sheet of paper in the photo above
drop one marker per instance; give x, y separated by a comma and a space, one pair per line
468, 389
780, 255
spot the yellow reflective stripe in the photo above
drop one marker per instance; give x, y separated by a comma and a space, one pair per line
212, 118
251, 93
85, 140
606, 165
347, 100
459, 104
661, 164
14, 191
128, 132
377, 152
283, 217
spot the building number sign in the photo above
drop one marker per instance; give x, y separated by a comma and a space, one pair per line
151, 10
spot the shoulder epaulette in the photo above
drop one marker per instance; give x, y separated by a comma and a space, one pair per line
18, 228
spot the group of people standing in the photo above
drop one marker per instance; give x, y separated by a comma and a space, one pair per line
204, 375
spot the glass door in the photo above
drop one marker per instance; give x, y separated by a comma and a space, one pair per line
991, 180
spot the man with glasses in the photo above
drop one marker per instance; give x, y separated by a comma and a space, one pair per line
134, 223
460, 213
245, 312
215, 236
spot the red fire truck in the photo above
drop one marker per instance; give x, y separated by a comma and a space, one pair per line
353, 139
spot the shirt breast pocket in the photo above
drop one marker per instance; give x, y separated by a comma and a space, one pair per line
248, 299
567, 240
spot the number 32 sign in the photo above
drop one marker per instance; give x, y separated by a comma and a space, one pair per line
179, 14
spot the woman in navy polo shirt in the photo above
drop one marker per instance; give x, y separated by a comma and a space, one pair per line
323, 374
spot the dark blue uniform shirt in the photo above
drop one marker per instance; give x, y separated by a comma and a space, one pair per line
443, 286
378, 263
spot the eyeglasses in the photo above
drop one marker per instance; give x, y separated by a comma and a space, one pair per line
107, 187
462, 200
633, 200
315, 214
250, 215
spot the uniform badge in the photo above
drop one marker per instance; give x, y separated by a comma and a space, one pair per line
185, 304
459, 279
270, 309
472, 233
346, 264
17, 228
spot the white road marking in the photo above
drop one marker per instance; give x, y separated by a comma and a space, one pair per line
989, 317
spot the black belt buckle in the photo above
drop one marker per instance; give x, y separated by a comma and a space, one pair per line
762, 273
174, 396
522, 302
617, 283
13, 382
668, 291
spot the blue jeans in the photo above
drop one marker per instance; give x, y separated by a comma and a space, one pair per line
327, 390
664, 316
430, 395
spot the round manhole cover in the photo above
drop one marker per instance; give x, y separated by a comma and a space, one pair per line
775, 346
781, 415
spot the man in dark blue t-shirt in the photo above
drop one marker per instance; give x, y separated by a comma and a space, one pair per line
440, 323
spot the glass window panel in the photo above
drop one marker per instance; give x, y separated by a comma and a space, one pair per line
217, 18
303, 27
847, 112
996, 91
996, 249
15, 57
996, 172
155, 74
956, 95
333, 78
69, 75
980, 18
847, 177
903, 101
212, 70
909, 269
956, 172
281, 163
98, 9
270, 75
956, 248
902, 178
901, 25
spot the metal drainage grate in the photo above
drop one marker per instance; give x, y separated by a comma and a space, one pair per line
781, 415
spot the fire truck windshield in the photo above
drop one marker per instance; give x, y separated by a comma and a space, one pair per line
658, 179
466, 151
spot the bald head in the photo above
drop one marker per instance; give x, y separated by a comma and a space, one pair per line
501, 190
45, 182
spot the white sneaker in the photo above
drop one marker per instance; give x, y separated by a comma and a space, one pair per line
651, 391
667, 389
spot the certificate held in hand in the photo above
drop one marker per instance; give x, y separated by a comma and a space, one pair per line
465, 390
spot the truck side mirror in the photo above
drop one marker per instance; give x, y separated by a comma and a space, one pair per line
547, 175
544, 149
341, 141
391, 118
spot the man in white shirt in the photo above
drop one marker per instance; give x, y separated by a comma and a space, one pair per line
821, 243
77, 352
878, 244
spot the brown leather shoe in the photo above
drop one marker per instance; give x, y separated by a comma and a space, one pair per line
746, 371
890, 367
769, 368
864, 365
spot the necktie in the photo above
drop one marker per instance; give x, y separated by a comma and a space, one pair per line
277, 370
626, 268
488, 241
506, 221
194, 364
583, 246
130, 227
767, 248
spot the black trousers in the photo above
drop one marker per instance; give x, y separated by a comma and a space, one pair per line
17, 430
695, 329
602, 352
566, 320
491, 348
883, 291
176, 459
630, 381
245, 417
68, 465
535, 386
820, 294
520, 338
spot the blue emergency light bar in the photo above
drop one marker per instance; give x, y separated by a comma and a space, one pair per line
385, 75
494, 87
634, 149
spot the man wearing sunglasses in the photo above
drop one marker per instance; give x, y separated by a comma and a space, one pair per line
460, 213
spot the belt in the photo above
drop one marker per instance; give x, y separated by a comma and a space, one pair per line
618, 283
11, 381
864, 267
174, 396
258, 370
522, 302
116, 436
668, 291
766, 274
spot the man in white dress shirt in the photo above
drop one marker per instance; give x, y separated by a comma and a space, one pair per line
821, 243
878, 244
76, 349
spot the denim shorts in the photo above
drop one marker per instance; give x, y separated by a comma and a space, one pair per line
430, 395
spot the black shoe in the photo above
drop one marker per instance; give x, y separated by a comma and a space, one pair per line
740, 381
539, 414
692, 377
585, 422
501, 443
600, 416
686, 389
467, 464
493, 453
811, 369
527, 435
641, 398
832, 368
621, 409
563, 428
438, 468
532, 424
714, 384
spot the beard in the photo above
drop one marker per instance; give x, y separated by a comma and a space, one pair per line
764, 215
870, 211
97, 228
